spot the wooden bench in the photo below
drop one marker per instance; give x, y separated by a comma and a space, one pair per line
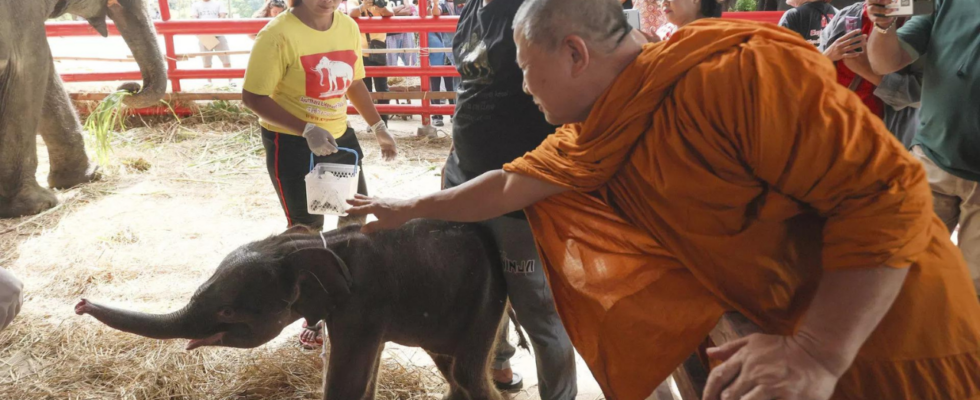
689, 379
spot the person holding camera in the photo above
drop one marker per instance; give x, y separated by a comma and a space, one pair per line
948, 141
373, 41
894, 97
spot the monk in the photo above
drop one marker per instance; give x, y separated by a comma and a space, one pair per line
724, 170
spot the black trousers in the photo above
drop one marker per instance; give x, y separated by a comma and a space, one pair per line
287, 158
377, 84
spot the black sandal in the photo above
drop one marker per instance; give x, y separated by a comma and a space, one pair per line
515, 385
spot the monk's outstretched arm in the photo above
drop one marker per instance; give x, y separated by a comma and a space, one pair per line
490, 195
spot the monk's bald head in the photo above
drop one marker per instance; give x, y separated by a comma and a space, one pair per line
571, 51
545, 23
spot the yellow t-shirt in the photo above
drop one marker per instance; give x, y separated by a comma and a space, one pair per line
306, 71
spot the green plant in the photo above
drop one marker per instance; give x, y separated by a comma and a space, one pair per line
101, 122
745, 5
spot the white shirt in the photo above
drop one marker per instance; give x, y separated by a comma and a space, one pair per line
208, 9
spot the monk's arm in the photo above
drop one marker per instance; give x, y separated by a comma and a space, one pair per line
490, 195
840, 160
848, 306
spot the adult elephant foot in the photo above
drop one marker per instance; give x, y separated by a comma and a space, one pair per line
68, 178
29, 200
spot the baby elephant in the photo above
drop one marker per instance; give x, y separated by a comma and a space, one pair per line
434, 285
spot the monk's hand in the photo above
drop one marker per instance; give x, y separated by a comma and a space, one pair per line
846, 46
766, 367
391, 213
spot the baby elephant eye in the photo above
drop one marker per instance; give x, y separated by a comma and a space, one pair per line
227, 312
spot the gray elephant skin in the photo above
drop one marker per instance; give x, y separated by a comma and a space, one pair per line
434, 285
33, 100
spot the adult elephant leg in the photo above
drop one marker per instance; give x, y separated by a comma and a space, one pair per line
23, 81
62, 133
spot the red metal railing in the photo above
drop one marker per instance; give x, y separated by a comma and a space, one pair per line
423, 24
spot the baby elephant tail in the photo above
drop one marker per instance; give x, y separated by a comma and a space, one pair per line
521, 339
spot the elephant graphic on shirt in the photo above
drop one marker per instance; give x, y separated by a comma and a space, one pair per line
334, 70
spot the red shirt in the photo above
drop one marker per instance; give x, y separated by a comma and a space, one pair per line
865, 89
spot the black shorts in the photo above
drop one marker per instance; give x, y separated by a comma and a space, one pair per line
288, 159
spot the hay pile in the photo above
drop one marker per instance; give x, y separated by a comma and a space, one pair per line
176, 198
77, 359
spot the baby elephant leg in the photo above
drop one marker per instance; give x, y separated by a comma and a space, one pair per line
445, 365
471, 369
353, 367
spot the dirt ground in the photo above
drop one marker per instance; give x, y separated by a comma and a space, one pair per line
174, 200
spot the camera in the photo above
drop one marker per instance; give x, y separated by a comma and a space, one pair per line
381, 3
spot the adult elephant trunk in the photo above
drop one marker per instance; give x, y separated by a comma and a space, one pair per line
176, 325
136, 28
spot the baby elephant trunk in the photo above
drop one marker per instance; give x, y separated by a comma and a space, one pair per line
157, 326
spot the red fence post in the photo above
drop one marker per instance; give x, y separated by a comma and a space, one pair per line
168, 42
424, 62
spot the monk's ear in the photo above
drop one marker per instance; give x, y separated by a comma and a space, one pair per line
577, 52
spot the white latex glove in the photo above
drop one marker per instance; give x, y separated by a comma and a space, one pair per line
11, 297
320, 141
385, 140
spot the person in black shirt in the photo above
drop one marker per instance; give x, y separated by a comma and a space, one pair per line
496, 122
808, 18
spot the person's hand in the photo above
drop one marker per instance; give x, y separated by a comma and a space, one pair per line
391, 213
385, 140
11, 297
878, 13
320, 141
367, 3
846, 46
764, 367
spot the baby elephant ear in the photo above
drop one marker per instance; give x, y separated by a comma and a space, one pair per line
322, 269
299, 228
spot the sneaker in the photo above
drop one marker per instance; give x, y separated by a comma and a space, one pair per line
438, 122
310, 339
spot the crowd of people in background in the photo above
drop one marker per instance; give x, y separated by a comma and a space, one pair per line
918, 77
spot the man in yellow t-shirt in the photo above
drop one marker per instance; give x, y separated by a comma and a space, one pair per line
365, 9
303, 64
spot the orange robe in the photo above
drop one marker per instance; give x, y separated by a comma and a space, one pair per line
724, 170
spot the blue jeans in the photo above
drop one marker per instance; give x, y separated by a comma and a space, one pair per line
402, 41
